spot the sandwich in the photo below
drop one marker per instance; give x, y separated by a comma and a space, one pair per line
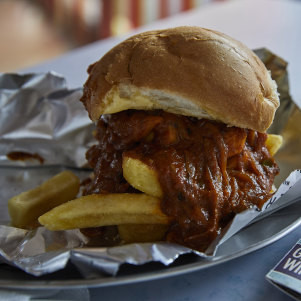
181, 116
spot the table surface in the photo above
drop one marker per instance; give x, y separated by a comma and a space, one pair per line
273, 24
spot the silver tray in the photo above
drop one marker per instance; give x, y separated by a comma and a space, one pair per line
247, 240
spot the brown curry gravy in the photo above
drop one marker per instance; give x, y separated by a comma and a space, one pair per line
208, 171
24, 156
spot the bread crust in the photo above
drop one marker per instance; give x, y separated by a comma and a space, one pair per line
185, 70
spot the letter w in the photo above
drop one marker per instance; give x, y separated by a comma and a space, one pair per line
291, 264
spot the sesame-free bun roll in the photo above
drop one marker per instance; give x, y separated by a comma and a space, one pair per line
189, 71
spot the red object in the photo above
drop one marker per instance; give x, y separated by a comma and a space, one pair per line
186, 5
163, 9
135, 12
106, 16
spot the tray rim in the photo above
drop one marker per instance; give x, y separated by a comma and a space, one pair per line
148, 276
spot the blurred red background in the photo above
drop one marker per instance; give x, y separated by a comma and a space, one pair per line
37, 30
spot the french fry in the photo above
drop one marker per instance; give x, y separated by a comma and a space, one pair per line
273, 143
130, 233
105, 210
25, 208
144, 178
141, 176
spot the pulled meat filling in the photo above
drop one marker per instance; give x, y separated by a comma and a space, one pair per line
208, 172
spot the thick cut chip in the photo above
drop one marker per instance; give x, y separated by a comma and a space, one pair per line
273, 143
25, 208
105, 210
141, 176
144, 178
131, 233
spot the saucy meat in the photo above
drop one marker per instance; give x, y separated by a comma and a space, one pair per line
208, 171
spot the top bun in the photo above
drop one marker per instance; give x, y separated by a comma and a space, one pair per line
185, 70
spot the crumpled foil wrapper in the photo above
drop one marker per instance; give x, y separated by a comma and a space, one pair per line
40, 115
